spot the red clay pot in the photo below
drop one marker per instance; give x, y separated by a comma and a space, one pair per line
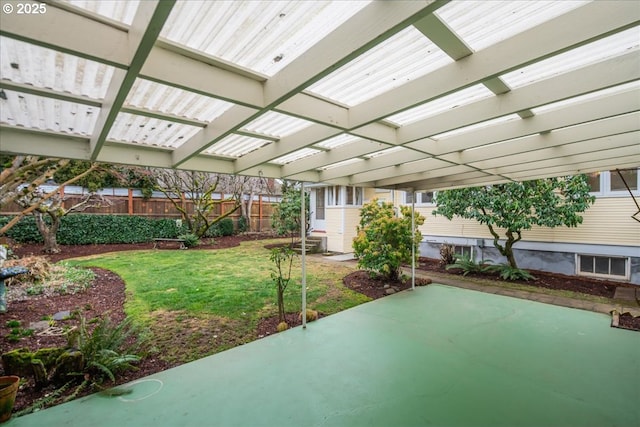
8, 390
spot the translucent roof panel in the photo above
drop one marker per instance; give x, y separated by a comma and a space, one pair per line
617, 44
449, 102
167, 99
236, 146
338, 141
40, 67
593, 95
150, 131
482, 23
118, 10
263, 36
47, 114
296, 155
342, 163
276, 125
398, 60
476, 126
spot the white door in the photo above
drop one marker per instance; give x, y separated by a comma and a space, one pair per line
317, 202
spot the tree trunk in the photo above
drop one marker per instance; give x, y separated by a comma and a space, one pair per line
508, 249
49, 233
281, 317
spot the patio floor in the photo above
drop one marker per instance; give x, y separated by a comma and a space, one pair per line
437, 356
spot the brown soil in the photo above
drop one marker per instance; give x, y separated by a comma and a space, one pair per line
107, 295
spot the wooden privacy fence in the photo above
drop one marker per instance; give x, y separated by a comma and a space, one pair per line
131, 202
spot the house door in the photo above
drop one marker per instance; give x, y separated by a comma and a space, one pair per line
317, 209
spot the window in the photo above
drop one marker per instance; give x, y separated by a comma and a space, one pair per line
338, 195
594, 265
629, 175
594, 181
424, 197
462, 251
319, 203
609, 183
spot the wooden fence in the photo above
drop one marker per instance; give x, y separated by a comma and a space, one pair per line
161, 207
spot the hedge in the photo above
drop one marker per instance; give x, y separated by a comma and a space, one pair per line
82, 229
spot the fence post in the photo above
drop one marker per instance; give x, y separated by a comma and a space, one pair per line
130, 202
260, 212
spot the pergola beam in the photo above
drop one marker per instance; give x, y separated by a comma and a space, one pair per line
145, 29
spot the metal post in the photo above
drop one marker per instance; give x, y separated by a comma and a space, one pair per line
303, 243
413, 237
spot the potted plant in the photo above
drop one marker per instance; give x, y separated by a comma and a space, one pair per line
8, 390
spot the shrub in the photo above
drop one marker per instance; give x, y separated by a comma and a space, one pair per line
311, 315
447, 254
224, 227
384, 241
243, 224
190, 240
282, 326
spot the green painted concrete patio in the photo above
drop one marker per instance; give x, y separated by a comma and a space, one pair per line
437, 356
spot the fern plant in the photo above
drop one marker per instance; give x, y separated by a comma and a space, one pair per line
509, 273
467, 265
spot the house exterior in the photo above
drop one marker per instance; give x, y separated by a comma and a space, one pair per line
606, 245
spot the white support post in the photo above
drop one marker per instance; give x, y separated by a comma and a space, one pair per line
413, 237
303, 243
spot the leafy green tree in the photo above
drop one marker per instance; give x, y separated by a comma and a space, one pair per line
286, 215
518, 206
384, 240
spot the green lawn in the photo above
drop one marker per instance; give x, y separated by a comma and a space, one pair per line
216, 296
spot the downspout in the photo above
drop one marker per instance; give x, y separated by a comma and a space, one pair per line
303, 243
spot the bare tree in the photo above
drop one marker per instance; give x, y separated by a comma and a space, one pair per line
246, 188
198, 189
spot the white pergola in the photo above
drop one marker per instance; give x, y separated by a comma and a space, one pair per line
417, 95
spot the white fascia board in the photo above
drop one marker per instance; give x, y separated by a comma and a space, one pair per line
70, 33
542, 41
591, 78
43, 143
370, 26
171, 68
144, 31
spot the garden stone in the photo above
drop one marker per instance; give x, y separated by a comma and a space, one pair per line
61, 315
390, 291
39, 326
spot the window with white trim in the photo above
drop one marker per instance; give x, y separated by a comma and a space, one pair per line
611, 184
422, 198
339, 195
463, 251
603, 266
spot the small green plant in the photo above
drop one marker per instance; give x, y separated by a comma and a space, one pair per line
447, 254
35, 290
13, 323
282, 257
190, 240
469, 266
66, 279
509, 273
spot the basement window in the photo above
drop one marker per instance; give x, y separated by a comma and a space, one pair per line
603, 266
463, 251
